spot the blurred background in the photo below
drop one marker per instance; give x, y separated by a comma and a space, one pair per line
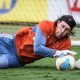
17, 13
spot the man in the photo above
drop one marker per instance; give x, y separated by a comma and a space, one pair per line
47, 39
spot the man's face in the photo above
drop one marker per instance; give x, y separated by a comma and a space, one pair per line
62, 29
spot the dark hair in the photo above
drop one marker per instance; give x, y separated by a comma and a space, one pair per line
69, 20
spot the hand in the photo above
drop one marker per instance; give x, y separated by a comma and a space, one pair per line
78, 64
64, 52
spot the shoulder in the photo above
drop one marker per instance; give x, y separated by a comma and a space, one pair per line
46, 22
46, 25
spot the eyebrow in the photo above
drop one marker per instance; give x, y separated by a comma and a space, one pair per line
68, 29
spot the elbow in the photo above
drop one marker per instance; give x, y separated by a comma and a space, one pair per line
38, 49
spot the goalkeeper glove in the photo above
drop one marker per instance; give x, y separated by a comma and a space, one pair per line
78, 64
58, 53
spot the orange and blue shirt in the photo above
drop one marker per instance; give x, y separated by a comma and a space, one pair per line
39, 42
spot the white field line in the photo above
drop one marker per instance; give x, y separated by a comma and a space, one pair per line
75, 43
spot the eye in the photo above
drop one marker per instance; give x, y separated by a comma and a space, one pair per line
63, 26
68, 29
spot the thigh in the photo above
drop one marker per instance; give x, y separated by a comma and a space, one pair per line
13, 60
8, 53
8, 60
3, 61
5, 43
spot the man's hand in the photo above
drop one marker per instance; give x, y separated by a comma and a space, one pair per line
64, 52
78, 64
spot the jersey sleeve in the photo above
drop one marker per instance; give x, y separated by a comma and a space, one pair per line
39, 45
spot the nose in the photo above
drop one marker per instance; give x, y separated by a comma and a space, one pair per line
63, 29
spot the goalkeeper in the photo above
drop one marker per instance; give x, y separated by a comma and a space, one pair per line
46, 39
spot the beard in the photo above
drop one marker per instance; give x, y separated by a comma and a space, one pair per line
59, 35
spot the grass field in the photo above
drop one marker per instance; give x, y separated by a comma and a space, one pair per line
43, 69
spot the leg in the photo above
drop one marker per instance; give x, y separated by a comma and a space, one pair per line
8, 53
13, 60
3, 61
8, 60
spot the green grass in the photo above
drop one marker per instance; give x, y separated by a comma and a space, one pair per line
43, 69
9, 28
77, 34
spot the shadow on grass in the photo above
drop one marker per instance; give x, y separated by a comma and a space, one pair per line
39, 67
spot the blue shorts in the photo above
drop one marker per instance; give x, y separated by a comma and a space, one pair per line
8, 52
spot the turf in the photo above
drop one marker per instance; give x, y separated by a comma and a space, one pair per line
43, 69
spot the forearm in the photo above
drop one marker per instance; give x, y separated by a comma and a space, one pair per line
44, 51
39, 45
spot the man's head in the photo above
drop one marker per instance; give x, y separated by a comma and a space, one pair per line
64, 26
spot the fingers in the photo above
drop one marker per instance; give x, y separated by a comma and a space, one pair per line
78, 64
64, 52
72, 53
69, 52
